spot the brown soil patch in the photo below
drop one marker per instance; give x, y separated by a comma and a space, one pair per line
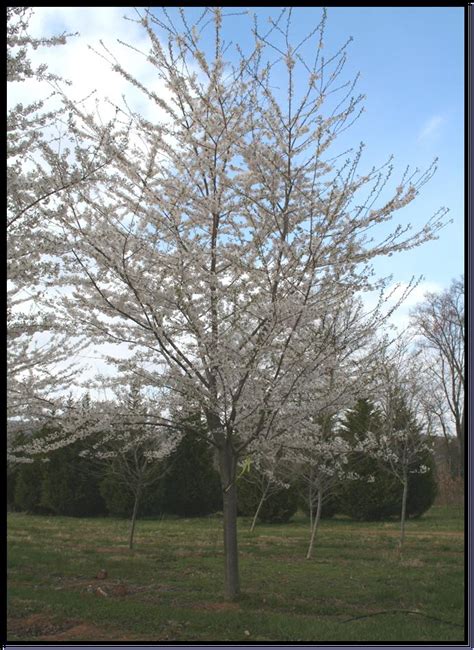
88, 632
81, 632
114, 549
34, 625
217, 607
384, 532
111, 588
42, 628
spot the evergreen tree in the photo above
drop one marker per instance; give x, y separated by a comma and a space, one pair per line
279, 505
70, 485
12, 473
375, 494
27, 495
422, 488
25, 479
191, 487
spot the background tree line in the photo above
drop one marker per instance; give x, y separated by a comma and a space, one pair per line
186, 483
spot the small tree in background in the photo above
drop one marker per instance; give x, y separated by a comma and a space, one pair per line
280, 506
264, 498
330, 504
401, 445
120, 500
132, 446
320, 464
260, 479
374, 493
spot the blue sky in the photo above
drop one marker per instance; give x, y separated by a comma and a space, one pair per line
411, 61
412, 65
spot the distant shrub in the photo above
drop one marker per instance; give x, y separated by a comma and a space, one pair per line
330, 505
70, 485
370, 501
27, 488
278, 507
12, 474
191, 487
422, 488
25, 480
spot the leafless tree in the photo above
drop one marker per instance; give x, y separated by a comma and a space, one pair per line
439, 321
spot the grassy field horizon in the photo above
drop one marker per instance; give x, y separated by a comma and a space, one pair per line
169, 588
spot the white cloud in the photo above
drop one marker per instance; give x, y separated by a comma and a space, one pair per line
431, 128
77, 62
401, 316
88, 71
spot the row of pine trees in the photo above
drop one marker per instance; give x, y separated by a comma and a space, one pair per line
70, 484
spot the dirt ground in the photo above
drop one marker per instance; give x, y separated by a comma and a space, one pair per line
42, 628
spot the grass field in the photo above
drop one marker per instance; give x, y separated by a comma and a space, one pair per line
170, 587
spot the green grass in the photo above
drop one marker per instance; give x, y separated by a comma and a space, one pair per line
174, 581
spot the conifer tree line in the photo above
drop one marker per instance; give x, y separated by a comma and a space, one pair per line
70, 482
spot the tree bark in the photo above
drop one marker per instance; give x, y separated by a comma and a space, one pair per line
460, 432
403, 515
315, 525
227, 464
134, 517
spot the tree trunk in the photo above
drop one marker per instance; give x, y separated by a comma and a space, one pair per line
460, 432
227, 465
257, 512
134, 517
310, 501
403, 515
315, 525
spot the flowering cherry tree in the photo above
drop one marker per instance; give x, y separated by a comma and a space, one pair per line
225, 231
264, 468
26, 241
401, 445
42, 163
133, 448
320, 463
